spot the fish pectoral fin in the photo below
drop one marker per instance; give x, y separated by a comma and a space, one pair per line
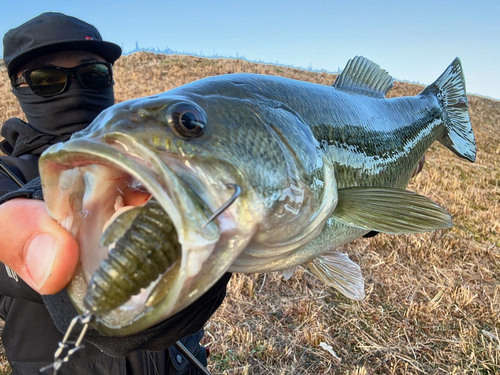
338, 271
389, 210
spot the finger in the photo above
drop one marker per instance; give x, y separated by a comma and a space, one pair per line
36, 247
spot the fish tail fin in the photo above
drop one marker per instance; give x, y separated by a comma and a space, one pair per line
449, 89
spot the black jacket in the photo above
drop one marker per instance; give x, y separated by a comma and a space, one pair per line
34, 324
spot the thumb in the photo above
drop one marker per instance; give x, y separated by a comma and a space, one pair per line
36, 247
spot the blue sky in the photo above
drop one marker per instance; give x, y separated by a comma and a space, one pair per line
412, 40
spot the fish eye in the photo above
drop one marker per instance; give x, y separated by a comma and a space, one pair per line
187, 120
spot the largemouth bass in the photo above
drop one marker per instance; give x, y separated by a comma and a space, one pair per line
314, 167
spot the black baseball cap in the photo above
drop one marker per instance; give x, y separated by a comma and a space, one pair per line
53, 32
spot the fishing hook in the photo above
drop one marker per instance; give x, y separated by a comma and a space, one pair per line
221, 209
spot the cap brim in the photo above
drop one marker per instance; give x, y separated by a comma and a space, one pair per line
109, 51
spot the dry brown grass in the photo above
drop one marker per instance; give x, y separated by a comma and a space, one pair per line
432, 304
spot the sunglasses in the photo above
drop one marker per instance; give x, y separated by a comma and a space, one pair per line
54, 80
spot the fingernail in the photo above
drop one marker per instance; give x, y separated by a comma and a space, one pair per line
40, 256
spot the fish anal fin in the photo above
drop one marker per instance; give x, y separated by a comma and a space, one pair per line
339, 272
389, 210
363, 76
288, 273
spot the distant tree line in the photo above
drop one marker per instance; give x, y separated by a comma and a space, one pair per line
169, 51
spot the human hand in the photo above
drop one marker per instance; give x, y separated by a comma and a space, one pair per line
36, 247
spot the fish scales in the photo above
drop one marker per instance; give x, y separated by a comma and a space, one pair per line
350, 129
316, 167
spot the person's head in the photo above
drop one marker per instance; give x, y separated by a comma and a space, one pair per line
61, 71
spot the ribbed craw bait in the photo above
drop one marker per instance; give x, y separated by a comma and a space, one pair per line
144, 245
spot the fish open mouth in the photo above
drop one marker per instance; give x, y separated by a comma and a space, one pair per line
136, 223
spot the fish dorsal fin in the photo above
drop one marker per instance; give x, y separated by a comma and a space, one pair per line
389, 210
338, 271
363, 76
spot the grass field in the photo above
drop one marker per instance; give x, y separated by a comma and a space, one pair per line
433, 299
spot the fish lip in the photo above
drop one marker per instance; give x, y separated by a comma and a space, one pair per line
154, 174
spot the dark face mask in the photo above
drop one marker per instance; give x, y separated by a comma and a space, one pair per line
67, 113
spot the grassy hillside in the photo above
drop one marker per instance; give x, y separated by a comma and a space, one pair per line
433, 299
